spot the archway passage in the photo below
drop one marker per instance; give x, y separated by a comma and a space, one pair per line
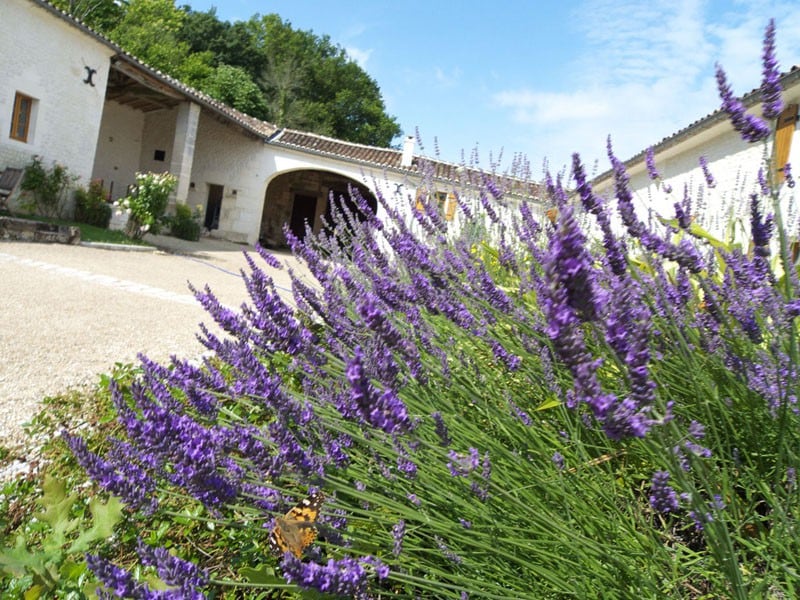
305, 201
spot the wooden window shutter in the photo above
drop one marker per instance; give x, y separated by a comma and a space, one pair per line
784, 132
450, 211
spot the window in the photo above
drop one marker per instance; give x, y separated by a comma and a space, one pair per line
445, 201
784, 132
21, 118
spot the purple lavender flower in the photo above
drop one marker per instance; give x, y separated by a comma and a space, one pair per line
650, 163
385, 411
685, 254
750, 127
615, 248
173, 571
398, 533
558, 460
346, 577
663, 497
683, 210
123, 478
760, 228
447, 552
772, 105
461, 465
569, 267
787, 175
523, 416
441, 429
710, 181
114, 578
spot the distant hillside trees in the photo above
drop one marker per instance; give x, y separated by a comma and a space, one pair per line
263, 67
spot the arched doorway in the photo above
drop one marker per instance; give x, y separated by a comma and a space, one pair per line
305, 200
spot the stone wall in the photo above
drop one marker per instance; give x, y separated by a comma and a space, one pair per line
36, 231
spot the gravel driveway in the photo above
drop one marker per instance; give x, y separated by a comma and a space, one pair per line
69, 313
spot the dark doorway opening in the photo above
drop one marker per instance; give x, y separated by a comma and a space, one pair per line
304, 210
213, 206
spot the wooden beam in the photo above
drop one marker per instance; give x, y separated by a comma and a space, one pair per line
147, 80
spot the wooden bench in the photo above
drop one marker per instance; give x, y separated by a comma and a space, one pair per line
9, 180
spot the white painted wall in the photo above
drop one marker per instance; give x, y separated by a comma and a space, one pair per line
734, 165
119, 147
44, 57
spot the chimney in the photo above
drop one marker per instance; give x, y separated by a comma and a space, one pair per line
408, 151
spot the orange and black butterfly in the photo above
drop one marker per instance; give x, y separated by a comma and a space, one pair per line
297, 530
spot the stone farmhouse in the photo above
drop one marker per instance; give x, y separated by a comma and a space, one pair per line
69, 94
732, 162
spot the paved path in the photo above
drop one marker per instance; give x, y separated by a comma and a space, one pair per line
69, 313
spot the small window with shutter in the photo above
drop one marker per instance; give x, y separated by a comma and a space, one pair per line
446, 202
784, 132
21, 117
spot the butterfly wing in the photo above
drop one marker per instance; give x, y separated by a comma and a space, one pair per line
296, 531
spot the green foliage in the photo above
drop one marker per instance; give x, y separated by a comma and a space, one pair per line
62, 538
47, 187
147, 202
149, 30
185, 224
91, 206
263, 67
101, 15
234, 87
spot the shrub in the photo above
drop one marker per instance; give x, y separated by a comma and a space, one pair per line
185, 224
147, 202
535, 417
47, 187
91, 206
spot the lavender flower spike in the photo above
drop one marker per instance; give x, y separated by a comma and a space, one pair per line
650, 162
772, 105
750, 127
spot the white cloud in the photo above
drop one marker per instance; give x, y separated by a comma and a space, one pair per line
358, 55
645, 71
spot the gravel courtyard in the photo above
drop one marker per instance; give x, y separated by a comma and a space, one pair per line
69, 313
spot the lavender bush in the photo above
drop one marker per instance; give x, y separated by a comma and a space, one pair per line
544, 414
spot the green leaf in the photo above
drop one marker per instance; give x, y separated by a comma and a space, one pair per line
263, 574
548, 404
105, 515
57, 506
33, 593
19, 560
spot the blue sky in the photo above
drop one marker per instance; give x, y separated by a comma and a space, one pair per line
543, 78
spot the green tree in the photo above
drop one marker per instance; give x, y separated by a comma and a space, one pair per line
311, 83
149, 31
234, 87
101, 15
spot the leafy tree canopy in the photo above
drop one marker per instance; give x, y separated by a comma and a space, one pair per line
263, 67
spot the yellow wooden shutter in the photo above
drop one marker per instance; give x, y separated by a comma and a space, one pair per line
784, 132
450, 211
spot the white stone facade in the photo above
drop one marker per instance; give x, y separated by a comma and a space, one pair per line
45, 58
722, 210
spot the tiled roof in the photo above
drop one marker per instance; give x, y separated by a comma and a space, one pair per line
391, 159
387, 158
251, 124
752, 98
318, 144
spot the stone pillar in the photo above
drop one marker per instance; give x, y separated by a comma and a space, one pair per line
183, 148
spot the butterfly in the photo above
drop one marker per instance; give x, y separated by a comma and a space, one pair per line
296, 531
